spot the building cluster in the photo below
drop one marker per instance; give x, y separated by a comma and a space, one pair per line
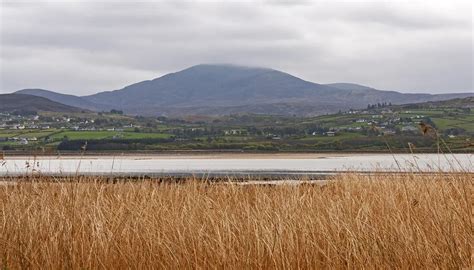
29, 122
18, 128
384, 123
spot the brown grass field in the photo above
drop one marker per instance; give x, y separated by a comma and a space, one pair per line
352, 221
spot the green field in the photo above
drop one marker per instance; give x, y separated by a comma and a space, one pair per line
464, 122
99, 135
340, 136
9, 133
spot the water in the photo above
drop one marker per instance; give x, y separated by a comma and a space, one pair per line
236, 164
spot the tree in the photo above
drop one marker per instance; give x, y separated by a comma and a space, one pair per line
7, 147
113, 111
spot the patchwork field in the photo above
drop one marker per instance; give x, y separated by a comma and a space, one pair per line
385, 128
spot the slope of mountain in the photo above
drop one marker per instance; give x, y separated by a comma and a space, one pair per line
70, 100
368, 93
224, 89
460, 103
29, 103
350, 86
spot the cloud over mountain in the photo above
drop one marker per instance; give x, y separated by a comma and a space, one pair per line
88, 46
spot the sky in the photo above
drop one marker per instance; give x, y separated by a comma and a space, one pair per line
88, 46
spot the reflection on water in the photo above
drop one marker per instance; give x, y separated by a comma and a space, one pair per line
200, 164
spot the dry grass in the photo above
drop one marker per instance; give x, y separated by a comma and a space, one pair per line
356, 221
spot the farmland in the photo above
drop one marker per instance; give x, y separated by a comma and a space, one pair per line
372, 130
101, 135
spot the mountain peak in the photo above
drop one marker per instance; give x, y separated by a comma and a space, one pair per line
225, 65
219, 69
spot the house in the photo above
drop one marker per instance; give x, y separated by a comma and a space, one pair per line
232, 132
331, 133
409, 129
353, 112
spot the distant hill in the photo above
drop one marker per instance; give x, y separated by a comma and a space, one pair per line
467, 102
29, 103
393, 96
224, 89
70, 100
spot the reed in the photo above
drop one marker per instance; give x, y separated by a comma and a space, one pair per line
351, 221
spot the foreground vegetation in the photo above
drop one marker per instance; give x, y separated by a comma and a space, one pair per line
352, 221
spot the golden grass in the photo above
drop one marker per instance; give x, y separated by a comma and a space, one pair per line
356, 221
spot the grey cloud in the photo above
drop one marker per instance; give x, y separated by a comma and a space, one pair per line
86, 46
414, 15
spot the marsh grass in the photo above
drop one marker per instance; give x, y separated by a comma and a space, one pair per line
352, 221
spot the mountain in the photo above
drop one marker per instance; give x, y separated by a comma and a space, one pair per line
214, 85
29, 103
225, 89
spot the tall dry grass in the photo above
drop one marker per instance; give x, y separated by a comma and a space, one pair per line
356, 221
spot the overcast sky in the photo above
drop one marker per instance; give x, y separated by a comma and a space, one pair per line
83, 47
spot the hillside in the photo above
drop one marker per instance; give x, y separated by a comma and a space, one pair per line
29, 103
70, 100
467, 102
224, 89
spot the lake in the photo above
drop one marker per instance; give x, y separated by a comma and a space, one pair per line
236, 164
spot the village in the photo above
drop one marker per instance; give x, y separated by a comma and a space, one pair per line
20, 128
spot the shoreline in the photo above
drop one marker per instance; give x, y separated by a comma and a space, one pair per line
215, 155
239, 178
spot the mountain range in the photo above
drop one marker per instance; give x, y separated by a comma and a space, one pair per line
227, 89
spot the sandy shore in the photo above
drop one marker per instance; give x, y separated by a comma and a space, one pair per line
199, 156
